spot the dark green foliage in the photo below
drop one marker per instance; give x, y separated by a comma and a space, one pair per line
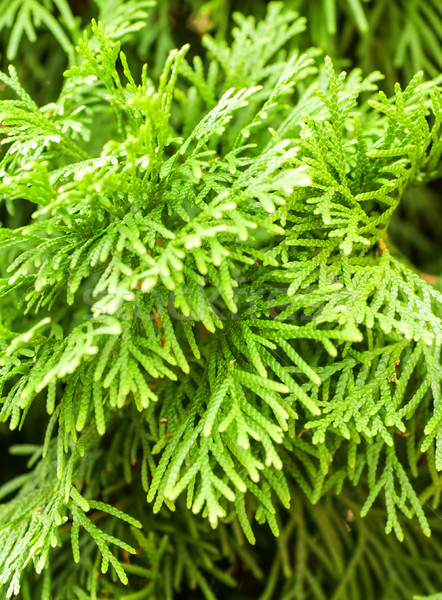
399, 36
204, 304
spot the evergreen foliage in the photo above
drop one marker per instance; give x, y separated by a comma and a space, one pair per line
399, 36
204, 310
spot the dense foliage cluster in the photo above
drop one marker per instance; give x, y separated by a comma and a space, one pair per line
202, 311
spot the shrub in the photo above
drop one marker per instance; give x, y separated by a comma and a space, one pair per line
201, 308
